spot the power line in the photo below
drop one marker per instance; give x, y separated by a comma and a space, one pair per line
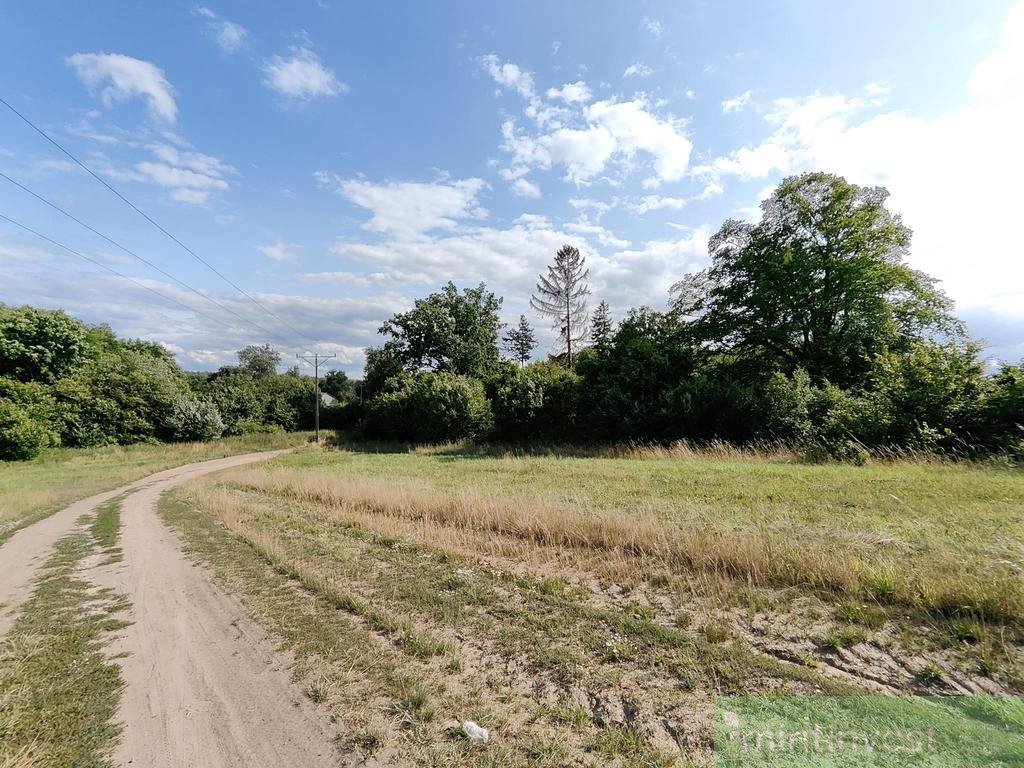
144, 215
134, 255
110, 269
317, 358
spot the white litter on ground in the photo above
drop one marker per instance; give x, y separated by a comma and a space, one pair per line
475, 733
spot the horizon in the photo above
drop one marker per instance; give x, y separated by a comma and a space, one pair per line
335, 182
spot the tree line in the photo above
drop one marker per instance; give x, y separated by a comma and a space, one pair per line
808, 328
64, 383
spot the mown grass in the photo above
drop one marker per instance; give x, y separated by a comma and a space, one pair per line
30, 490
58, 692
455, 627
942, 538
541, 596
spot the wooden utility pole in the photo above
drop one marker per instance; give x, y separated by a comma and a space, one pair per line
316, 377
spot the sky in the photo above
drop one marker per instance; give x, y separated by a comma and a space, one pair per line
332, 161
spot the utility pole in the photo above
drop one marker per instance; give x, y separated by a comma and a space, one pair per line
317, 358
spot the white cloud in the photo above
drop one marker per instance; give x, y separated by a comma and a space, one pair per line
953, 176
229, 35
190, 177
642, 276
301, 76
600, 207
279, 251
636, 129
601, 234
122, 77
595, 134
639, 69
514, 77
509, 75
192, 161
583, 152
652, 26
345, 325
571, 93
737, 102
525, 188
186, 186
408, 210
649, 203
690, 93
338, 277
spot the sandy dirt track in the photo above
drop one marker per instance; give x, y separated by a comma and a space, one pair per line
28, 549
203, 685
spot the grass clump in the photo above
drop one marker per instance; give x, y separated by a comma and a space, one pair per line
59, 693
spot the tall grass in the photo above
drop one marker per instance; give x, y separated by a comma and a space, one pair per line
754, 554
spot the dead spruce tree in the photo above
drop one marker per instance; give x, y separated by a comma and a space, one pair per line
562, 296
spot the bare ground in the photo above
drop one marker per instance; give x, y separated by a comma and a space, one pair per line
203, 684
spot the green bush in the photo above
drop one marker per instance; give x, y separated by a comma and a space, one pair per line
788, 407
21, 436
997, 422
429, 408
123, 396
540, 400
28, 421
39, 344
193, 420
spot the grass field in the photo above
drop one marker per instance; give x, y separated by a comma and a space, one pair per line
589, 610
30, 490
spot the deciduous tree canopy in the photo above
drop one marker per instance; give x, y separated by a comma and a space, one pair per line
820, 283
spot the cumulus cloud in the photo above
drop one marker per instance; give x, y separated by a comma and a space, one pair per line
513, 77
408, 210
953, 176
509, 75
571, 93
119, 77
229, 35
610, 130
586, 139
301, 76
525, 188
737, 102
638, 69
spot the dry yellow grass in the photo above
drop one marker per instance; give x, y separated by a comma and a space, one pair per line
574, 601
753, 554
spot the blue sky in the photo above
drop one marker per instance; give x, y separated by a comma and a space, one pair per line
336, 160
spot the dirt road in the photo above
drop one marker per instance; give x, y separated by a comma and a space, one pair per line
203, 685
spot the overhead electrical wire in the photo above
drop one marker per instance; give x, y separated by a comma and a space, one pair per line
108, 268
152, 221
142, 259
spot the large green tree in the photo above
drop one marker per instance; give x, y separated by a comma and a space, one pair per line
819, 283
259, 360
447, 332
39, 344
